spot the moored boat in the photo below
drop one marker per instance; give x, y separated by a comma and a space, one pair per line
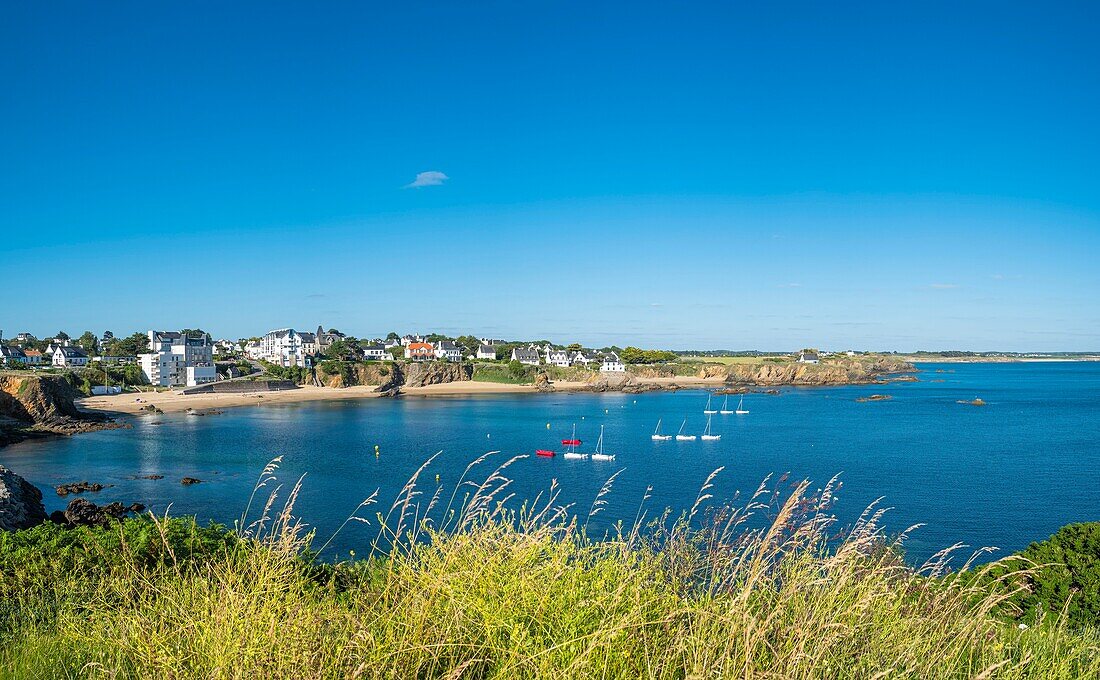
707, 409
657, 436
544, 453
741, 410
573, 443
598, 454
681, 437
726, 406
707, 436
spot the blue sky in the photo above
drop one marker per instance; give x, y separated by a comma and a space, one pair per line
872, 176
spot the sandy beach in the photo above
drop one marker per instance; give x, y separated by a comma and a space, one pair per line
175, 402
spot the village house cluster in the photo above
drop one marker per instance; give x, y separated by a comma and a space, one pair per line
188, 358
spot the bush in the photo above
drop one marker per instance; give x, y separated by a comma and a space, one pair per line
1061, 573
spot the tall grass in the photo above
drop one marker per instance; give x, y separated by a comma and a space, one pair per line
467, 585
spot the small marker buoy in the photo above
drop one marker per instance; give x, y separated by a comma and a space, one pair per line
488, 436
437, 477
605, 410
547, 426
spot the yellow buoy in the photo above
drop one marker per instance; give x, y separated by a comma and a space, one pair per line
437, 477
547, 426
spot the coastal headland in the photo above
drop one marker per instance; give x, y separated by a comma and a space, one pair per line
366, 381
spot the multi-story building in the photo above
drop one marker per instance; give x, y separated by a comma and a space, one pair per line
175, 359
448, 351
419, 351
283, 347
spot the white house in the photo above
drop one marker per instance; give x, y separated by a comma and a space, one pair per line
557, 357
309, 343
254, 350
611, 364
584, 358
390, 343
485, 351
69, 355
448, 351
807, 357
175, 359
375, 353
34, 357
529, 357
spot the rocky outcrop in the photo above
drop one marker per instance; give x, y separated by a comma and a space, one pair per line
838, 372
542, 383
42, 404
436, 373
82, 512
20, 502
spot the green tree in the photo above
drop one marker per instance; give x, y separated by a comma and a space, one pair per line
131, 345
397, 352
62, 335
574, 347
88, 342
392, 335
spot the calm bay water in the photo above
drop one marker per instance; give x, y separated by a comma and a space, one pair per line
1001, 475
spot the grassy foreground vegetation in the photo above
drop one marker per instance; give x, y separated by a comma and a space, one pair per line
488, 592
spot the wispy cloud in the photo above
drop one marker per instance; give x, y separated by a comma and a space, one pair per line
790, 285
943, 286
431, 178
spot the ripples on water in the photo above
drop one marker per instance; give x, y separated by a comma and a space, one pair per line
999, 475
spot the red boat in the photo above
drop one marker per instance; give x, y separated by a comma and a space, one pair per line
570, 442
545, 453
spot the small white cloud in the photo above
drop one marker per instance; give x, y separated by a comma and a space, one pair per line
431, 178
943, 286
790, 285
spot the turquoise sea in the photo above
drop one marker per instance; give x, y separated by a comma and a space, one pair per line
1000, 475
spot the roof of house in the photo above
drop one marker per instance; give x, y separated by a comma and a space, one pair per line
32, 353
807, 355
611, 356
420, 345
11, 352
373, 348
73, 352
520, 354
446, 346
486, 349
307, 337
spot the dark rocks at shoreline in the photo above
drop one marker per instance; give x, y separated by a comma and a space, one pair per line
151, 477
82, 512
20, 502
542, 383
79, 487
188, 481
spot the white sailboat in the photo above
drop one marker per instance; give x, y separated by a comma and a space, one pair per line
571, 452
707, 409
741, 410
681, 437
598, 454
707, 436
726, 406
657, 436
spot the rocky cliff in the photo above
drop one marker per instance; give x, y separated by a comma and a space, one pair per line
435, 373
391, 376
20, 502
41, 404
847, 371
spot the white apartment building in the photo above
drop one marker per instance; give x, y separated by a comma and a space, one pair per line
177, 360
283, 347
